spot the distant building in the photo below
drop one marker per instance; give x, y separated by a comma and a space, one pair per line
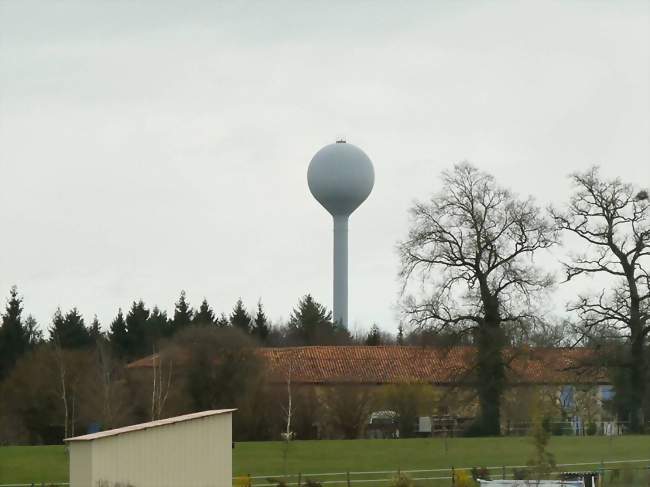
450, 372
194, 450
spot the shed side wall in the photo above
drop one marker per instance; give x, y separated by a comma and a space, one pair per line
80, 463
196, 453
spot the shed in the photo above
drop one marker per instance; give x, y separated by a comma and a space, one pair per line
193, 450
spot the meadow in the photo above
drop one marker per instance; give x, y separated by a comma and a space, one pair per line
275, 459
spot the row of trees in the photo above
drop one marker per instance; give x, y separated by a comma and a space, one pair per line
470, 270
55, 392
141, 330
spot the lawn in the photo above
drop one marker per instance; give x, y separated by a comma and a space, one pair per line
49, 463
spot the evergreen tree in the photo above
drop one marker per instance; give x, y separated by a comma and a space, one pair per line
240, 317
136, 329
95, 330
69, 331
34, 334
374, 336
158, 326
400, 334
14, 340
205, 315
260, 324
310, 322
182, 314
118, 336
222, 321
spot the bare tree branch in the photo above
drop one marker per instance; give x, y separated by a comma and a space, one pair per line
471, 248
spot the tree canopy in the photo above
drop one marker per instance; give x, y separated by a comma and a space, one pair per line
471, 247
611, 221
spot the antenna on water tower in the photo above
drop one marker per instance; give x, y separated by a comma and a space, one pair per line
340, 177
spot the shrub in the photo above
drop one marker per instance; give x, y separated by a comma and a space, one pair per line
480, 473
401, 480
592, 429
243, 481
463, 479
520, 474
313, 483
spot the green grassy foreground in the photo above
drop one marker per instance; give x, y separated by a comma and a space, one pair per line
50, 463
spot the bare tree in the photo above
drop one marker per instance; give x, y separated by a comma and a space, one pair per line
161, 384
612, 219
348, 408
104, 393
70, 365
471, 246
62, 369
289, 410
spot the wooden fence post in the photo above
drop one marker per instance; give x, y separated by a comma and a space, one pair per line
348, 477
299, 479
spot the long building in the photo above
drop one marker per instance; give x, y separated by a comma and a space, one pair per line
384, 365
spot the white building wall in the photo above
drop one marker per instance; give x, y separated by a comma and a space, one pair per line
195, 453
81, 464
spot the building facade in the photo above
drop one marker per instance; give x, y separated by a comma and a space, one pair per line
193, 450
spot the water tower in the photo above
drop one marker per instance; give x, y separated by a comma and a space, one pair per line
340, 176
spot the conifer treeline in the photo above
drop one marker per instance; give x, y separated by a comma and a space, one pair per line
137, 331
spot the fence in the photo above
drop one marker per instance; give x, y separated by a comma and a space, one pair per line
437, 477
38, 484
556, 428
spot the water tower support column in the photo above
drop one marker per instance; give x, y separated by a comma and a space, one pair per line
341, 270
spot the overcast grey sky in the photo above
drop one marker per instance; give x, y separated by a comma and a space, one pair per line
149, 147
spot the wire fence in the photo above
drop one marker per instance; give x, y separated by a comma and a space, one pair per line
37, 484
611, 472
575, 427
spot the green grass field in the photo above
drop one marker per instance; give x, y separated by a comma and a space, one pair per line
49, 463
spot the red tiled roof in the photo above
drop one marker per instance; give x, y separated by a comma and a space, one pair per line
399, 364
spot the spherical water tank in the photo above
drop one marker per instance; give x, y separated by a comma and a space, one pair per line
340, 176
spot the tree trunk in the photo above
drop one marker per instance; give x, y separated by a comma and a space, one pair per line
491, 378
638, 368
638, 376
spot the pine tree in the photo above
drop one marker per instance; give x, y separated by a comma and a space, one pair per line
374, 336
222, 321
69, 331
136, 329
14, 340
260, 324
240, 317
310, 322
400, 335
158, 326
118, 336
95, 330
34, 334
205, 315
182, 314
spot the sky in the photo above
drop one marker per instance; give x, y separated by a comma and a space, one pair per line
149, 147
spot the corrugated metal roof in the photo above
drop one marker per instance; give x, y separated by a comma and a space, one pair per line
398, 364
151, 424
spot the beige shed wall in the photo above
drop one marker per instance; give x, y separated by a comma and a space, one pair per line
80, 463
195, 453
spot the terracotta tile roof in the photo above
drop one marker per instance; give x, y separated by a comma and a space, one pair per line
398, 364
367, 365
